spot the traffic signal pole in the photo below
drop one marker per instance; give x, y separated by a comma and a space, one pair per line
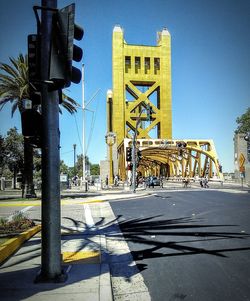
51, 269
134, 159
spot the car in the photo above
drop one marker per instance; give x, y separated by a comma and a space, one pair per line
156, 181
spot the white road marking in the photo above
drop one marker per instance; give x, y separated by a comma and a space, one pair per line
88, 217
16, 213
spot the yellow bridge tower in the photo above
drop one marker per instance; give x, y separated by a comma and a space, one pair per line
141, 77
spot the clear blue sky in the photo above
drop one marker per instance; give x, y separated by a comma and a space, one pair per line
210, 64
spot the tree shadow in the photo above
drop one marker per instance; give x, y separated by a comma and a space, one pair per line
145, 231
155, 237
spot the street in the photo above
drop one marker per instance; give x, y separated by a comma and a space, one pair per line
190, 245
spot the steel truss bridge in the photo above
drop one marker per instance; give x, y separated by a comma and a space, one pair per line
166, 158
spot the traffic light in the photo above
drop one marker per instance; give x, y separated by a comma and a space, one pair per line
181, 144
149, 112
139, 155
63, 50
128, 154
34, 68
32, 126
34, 58
247, 137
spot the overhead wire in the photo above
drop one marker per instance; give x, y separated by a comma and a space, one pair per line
92, 127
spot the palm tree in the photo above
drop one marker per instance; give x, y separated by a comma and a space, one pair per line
14, 88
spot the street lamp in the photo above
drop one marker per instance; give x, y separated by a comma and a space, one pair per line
110, 140
74, 147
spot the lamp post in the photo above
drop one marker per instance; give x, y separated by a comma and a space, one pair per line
74, 147
110, 140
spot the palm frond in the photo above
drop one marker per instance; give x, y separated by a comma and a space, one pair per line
4, 101
15, 62
14, 107
8, 69
71, 100
69, 104
6, 78
69, 107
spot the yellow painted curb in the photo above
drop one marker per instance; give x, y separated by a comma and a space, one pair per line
11, 245
20, 204
81, 257
91, 201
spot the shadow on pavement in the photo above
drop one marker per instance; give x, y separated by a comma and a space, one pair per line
154, 237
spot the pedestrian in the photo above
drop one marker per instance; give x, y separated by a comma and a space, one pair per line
151, 182
206, 183
201, 182
107, 181
116, 180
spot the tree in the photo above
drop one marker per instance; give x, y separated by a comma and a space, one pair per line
14, 88
63, 168
2, 155
243, 123
14, 152
95, 169
79, 164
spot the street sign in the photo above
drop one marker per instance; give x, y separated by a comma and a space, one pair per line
241, 160
242, 169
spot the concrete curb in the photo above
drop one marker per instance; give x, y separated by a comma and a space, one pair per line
11, 245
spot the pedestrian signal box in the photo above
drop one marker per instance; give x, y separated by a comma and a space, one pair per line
128, 154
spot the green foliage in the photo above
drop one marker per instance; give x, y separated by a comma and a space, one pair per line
63, 168
2, 154
18, 224
243, 122
14, 150
95, 169
14, 82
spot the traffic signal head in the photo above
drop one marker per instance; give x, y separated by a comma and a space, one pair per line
63, 50
149, 112
32, 126
247, 137
128, 154
139, 155
34, 68
181, 144
33, 58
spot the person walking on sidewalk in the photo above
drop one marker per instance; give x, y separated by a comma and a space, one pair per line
205, 183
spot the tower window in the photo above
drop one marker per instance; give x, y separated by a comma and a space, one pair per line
127, 63
156, 65
137, 64
147, 64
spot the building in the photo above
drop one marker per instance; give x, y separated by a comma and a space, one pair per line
242, 158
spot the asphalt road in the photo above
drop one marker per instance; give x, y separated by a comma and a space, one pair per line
190, 245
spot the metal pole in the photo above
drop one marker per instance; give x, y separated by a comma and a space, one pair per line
83, 130
134, 153
51, 269
74, 147
134, 162
111, 176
